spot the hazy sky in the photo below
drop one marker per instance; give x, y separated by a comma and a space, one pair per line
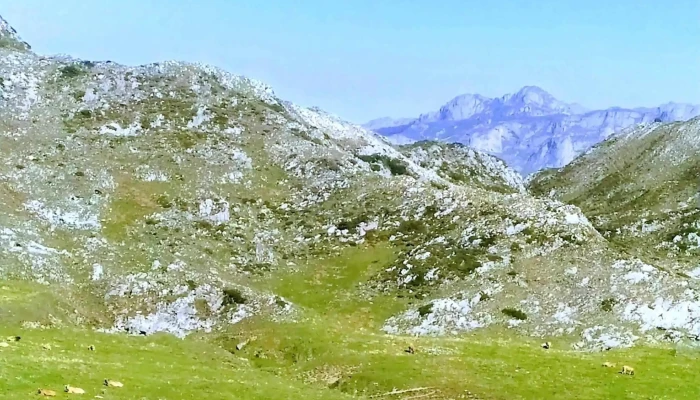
363, 59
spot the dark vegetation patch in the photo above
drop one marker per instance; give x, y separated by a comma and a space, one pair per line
7, 43
306, 136
425, 309
71, 71
514, 313
233, 296
395, 166
608, 304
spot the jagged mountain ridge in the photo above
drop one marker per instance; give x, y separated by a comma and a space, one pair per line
530, 129
163, 198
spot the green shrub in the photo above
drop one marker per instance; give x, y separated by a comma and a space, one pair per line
425, 309
608, 304
277, 108
8, 43
352, 224
233, 296
465, 261
411, 226
205, 225
163, 201
487, 241
71, 71
395, 166
329, 163
438, 185
78, 95
280, 302
514, 313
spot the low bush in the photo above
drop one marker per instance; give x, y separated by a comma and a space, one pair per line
233, 296
514, 313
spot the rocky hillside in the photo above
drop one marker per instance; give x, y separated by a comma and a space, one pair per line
640, 188
463, 165
9, 37
529, 129
176, 197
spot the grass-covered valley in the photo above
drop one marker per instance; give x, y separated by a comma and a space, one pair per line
211, 240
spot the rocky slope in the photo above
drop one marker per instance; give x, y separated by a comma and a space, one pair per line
10, 38
640, 184
530, 129
640, 189
462, 165
160, 196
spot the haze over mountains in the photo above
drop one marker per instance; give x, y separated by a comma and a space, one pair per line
530, 129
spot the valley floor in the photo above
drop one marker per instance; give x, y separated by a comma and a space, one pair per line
334, 350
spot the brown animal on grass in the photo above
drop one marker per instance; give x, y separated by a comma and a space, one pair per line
46, 392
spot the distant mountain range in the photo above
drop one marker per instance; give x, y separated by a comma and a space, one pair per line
530, 129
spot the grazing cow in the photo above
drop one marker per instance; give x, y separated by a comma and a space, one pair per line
73, 390
46, 392
626, 370
546, 345
46, 346
111, 383
410, 350
608, 365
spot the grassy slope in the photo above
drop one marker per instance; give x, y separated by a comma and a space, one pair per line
341, 331
158, 367
336, 335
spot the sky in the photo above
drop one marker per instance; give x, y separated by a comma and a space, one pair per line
363, 59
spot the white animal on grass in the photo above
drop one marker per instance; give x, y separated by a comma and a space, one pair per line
626, 370
73, 390
111, 383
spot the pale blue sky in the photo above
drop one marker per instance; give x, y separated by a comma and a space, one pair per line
363, 59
